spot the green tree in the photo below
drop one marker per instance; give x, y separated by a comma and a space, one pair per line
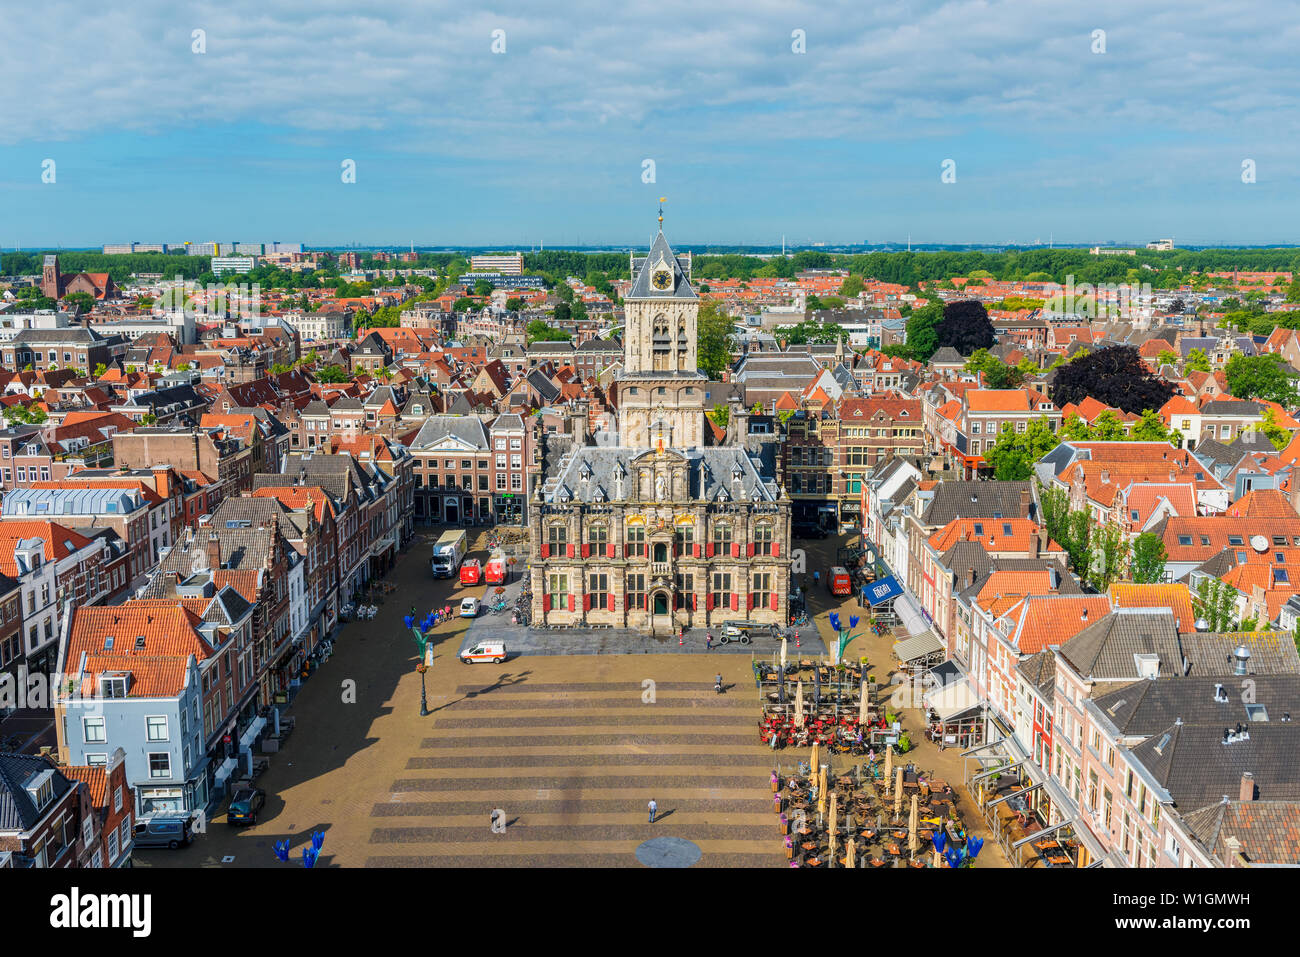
721, 415
1108, 427
921, 330
483, 287
100, 370
332, 373
1216, 601
463, 304
1149, 428
562, 312
148, 419
514, 304
1054, 509
539, 331
1168, 357
1078, 542
1149, 558
851, 286
564, 291
1012, 458
715, 334
1109, 556
1197, 361
1074, 429
81, 301
1279, 436
1266, 376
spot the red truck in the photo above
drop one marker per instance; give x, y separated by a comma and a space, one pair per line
470, 572
494, 573
839, 582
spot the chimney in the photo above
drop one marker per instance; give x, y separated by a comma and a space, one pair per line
1105, 476
214, 552
1024, 502
970, 575
1246, 791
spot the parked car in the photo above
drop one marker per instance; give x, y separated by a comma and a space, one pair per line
493, 651
807, 530
170, 831
469, 607
245, 805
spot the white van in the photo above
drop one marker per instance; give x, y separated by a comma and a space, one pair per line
493, 651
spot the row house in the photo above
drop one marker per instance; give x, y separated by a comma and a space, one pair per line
986, 413
71, 348
42, 813
472, 471
107, 825
1098, 475
55, 567
241, 545
225, 456
1190, 541
932, 509
312, 529
134, 682
12, 652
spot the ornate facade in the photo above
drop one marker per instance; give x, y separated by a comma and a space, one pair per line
661, 531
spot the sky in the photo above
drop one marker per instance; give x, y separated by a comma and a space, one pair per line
560, 124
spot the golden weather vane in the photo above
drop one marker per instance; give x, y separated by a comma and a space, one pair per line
661, 210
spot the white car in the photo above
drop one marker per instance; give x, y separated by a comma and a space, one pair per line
469, 608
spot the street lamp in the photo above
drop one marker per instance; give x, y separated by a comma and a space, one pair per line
426, 654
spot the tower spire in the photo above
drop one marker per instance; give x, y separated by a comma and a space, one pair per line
661, 212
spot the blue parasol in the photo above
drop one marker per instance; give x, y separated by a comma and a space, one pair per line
939, 840
973, 847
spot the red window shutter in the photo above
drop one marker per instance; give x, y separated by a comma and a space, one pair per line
586, 550
546, 550
708, 550
571, 600
735, 549
749, 550
735, 602
571, 551
749, 602
776, 549
774, 601
546, 602
609, 551
695, 602
610, 601
708, 602
586, 602
697, 549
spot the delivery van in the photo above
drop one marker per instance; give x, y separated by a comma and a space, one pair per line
839, 582
470, 572
492, 651
494, 572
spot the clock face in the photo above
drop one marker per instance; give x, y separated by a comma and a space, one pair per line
663, 279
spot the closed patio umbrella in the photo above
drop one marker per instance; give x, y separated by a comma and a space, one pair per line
783, 644
816, 755
798, 705
913, 842
834, 820
863, 704
851, 853
889, 766
898, 792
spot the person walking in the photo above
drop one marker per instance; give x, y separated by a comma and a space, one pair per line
817, 577
708, 641
717, 684
653, 810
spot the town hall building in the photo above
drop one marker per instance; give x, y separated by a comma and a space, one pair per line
666, 529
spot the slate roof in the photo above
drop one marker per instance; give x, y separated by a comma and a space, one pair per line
465, 428
711, 472
17, 811
1039, 670
977, 499
1146, 707
1196, 767
642, 288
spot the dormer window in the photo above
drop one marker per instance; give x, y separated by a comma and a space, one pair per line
113, 685
40, 788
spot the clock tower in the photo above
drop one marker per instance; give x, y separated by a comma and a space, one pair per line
661, 390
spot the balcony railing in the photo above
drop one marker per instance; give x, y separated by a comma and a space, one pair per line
660, 568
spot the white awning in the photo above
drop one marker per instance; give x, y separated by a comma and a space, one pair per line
953, 699
918, 646
223, 773
246, 739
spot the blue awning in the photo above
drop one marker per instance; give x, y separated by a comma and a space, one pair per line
882, 590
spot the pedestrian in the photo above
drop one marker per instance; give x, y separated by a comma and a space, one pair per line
717, 684
653, 809
817, 577
708, 641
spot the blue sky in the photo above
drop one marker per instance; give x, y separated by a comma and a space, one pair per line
455, 144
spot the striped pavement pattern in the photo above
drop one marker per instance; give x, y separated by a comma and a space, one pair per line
573, 767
